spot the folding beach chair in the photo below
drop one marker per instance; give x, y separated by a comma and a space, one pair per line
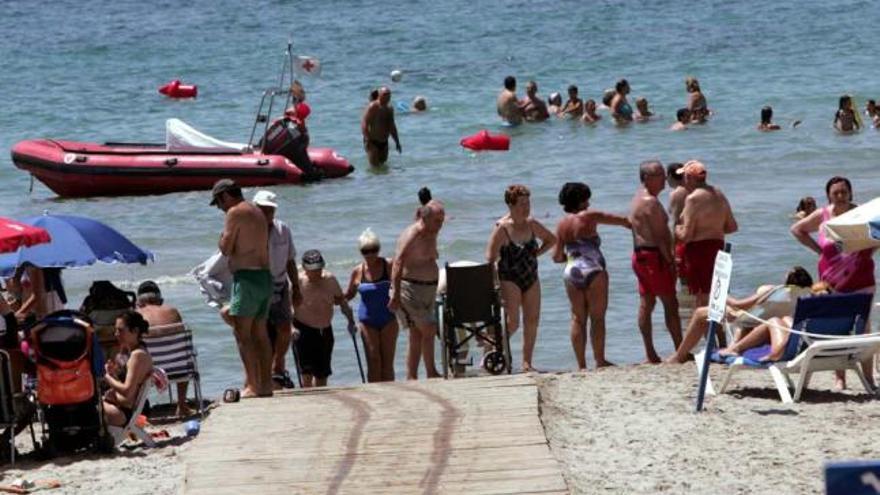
470, 309
833, 315
120, 434
172, 349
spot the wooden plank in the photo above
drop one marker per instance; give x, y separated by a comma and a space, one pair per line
480, 435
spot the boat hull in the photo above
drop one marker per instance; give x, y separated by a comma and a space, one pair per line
76, 169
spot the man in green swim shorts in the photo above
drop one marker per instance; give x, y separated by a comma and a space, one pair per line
245, 242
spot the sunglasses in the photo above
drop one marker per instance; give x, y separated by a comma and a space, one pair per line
373, 250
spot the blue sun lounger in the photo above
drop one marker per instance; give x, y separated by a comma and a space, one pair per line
834, 315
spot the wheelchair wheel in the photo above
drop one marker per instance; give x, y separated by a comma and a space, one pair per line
495, 362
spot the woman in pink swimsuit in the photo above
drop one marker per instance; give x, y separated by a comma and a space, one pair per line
844, 272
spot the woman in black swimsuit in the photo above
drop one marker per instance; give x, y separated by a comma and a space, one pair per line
119, 400
514, 246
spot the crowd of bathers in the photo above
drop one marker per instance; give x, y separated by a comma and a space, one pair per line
533, 108
673, 252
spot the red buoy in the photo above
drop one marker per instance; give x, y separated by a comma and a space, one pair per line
483, 141
175, 89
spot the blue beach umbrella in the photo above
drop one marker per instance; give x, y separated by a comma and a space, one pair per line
76, 241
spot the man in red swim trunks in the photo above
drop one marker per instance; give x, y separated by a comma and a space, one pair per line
705, 220
652, 259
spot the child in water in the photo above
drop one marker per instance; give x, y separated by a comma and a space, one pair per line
683, 117
805, 206
590, 116
766, 123
643, 114
845, 120
574, 107
872, 113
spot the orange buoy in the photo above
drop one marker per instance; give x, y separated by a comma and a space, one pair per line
483, 141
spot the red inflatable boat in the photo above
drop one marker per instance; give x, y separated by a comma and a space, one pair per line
76, 169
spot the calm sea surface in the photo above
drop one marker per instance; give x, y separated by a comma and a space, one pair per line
89, 71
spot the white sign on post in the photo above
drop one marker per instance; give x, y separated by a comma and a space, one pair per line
720, 286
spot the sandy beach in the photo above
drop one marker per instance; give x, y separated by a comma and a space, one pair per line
618, 430
133, 470
633, 430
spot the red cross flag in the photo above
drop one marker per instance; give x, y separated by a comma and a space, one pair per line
309, 66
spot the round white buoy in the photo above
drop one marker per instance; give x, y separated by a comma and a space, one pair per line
396, 75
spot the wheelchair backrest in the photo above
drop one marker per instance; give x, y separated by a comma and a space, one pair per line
470, 293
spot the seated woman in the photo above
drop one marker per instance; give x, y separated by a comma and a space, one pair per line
119, 401
767, 302
775, 332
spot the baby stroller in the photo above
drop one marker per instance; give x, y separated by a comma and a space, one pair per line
69, 363
470, 309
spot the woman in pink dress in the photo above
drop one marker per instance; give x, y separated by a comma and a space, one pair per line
844, 272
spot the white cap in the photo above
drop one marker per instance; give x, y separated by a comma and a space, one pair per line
396, 75
265, 198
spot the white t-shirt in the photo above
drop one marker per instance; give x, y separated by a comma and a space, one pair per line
281, 250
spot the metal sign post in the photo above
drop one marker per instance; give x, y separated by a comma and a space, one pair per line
717, 309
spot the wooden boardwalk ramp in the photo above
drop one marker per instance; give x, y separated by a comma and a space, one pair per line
471, 436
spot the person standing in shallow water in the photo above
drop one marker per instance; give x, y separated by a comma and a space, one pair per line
696, 104
653, 260
377, 125
533, 107
514, 246
846, 120
586, 280
508, 105
621, 111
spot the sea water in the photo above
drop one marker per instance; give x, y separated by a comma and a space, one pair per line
90, 71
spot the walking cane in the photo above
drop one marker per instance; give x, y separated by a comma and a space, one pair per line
352, 331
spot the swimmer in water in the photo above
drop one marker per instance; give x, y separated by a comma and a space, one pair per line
621, 111
643, 114
805, 206
574, 107
533, 107
590, 116
509, 108
683, 118
554, 104
586, 279
419, 104
845, 119
766, 123
872, 113
697, 104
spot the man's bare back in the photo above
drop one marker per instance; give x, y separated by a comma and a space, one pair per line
159, 315
245, 239
706, 215
318, 299
508, 107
